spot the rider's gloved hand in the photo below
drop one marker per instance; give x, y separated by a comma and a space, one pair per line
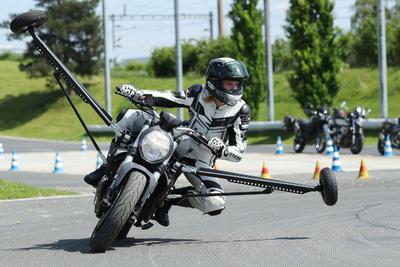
130, 91
217, 146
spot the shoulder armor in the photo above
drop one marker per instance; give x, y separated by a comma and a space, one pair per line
245, 110
194, 90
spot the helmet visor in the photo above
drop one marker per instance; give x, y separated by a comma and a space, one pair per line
232, 86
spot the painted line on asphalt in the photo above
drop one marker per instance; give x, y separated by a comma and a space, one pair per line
45, 198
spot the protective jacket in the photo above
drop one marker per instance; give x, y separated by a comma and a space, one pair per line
229, 123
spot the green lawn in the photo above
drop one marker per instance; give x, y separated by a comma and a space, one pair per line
27, 109
12, 190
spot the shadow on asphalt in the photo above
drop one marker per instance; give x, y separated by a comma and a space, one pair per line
82, 245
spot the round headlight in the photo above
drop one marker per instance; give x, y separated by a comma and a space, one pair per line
155, 146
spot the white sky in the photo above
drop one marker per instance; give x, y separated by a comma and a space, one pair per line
139, 38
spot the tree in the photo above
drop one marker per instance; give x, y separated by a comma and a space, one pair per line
73, 33
281, 55
364, 29
248, 41
312, 39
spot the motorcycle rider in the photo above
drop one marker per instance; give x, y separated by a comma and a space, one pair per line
217, 111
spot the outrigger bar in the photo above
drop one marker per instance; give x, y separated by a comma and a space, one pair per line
62, 72
250, 180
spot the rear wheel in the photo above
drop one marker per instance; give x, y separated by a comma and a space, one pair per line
329, 190
112, 222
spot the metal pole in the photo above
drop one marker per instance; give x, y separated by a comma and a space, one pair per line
113, 30
178, 57
211, 25
107, 92
382, 58
220, 18
268, 61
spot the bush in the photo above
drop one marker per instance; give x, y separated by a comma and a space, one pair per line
195, 56
10, 56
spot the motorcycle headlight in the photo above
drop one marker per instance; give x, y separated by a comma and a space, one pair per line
155, 146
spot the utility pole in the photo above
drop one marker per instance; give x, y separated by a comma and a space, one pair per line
211, 19
220, 18
178, 57
382, 58
268, 61
107, 92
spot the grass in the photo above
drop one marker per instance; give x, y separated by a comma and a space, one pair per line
12, 190
27, 109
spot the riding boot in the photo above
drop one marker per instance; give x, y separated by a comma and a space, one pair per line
161, 214
94, 177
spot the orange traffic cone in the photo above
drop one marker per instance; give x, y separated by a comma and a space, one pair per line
363, 174
264, 171
216, 166
317, 170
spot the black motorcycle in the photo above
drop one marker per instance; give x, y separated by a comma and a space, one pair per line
390, 127
313, 131
346, 128
143, 166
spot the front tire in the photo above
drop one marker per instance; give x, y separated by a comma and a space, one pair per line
320, 144
358, 145
117, 215
298, 145
329, 189
381, 146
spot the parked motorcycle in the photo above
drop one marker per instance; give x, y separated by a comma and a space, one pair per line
346, 128
142, 167
313, 131
390, 127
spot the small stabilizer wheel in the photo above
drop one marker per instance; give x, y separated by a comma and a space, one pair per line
328, 184
30, 19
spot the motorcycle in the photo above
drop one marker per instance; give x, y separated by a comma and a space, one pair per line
315, 130
140, 178
346, 127
392, 128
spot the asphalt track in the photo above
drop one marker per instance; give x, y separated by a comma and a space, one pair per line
281, 229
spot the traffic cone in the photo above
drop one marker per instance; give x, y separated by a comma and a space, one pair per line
84, 144
14, 161
265, 171
58, 168
329, 148
1, 149
363, 174
99, 161
216, 166
279, 146
336, 166
388, 147
317, 171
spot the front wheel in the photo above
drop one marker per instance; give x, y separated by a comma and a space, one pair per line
298, 146
117, 215
381, 146
358, 144
320, 143
328, 184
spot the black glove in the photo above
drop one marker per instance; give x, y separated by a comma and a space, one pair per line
130, 91
217, 146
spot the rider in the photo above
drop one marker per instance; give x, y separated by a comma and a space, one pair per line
218, 112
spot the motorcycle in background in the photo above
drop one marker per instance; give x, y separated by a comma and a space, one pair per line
390, 127
313, 131
346, 128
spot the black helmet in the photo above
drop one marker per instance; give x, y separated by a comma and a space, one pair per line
221, 69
